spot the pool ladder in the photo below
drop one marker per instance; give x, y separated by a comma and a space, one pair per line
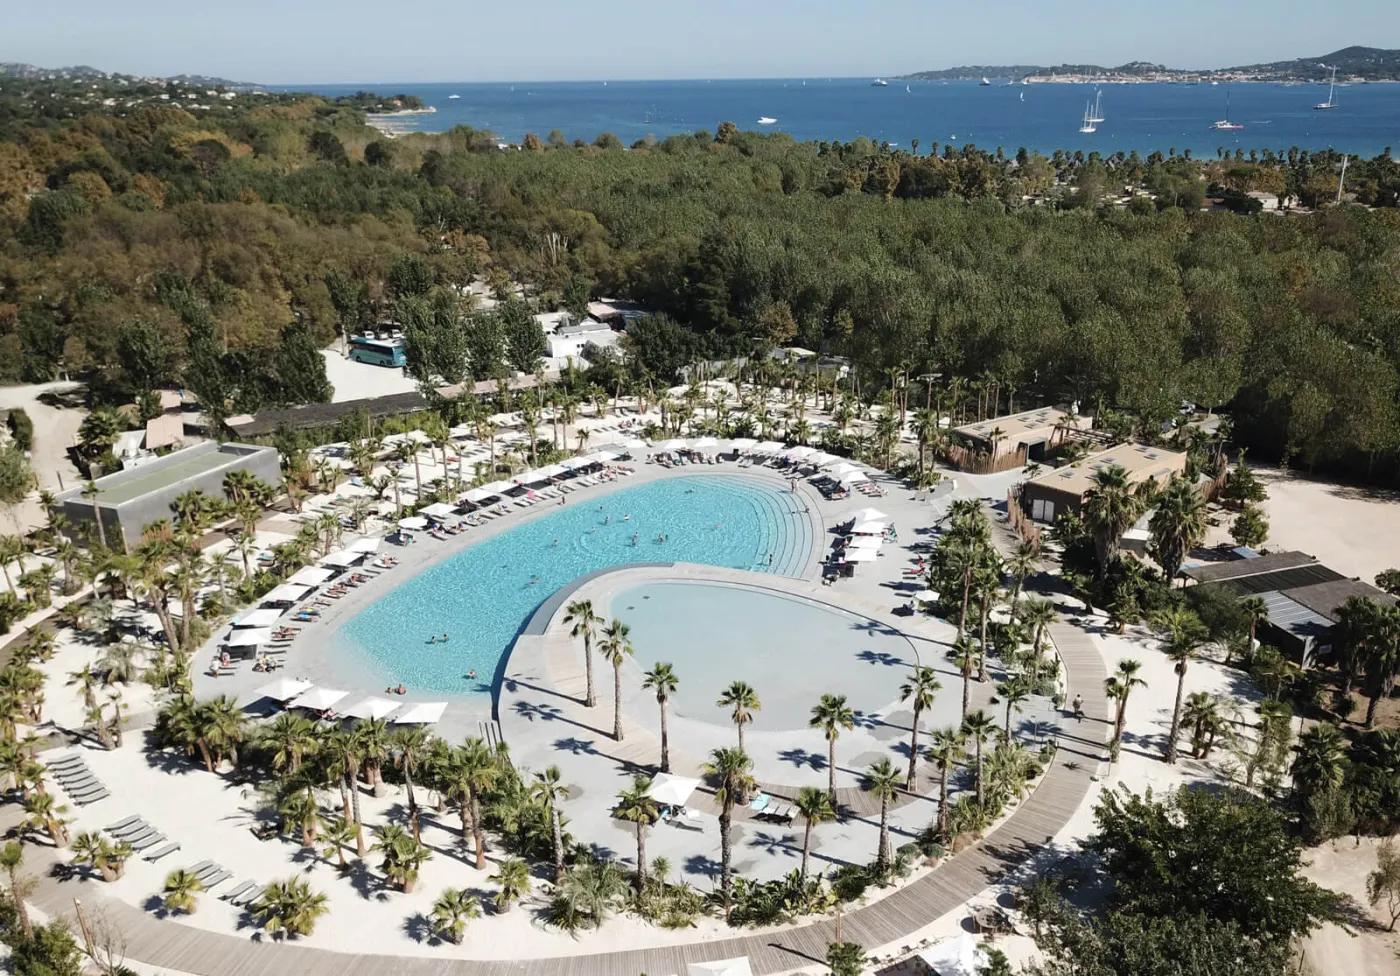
491, 733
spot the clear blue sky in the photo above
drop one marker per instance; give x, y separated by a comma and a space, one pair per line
291, 41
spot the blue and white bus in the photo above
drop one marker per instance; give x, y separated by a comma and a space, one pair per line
378, 352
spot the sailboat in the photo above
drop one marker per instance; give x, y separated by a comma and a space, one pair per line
986, 83
1088, 125
1331, 102
879, 83
1225, 125
1097, 117
454, 96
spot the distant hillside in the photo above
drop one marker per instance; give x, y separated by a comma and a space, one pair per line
1352, 63
80, 72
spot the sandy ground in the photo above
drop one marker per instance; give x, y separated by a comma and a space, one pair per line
1354, 530
55, 429
1362, 947
360, 381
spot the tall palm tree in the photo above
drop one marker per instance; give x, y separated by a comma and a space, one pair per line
1320, 762
371, 739
616, 648
410, 743
662, 679
1038, 615
1022, 563
944, 751
1182, 635
1206, 718
831, 715
979, 727
634, 805
471, 769
1110, 508
585, 624
11, 861
919, 690
1178, 524
882, 779
964, 654
548, 789
1013, 692
1118, 686
289, 737
1256, 611
730, 770
743, 700
815, 807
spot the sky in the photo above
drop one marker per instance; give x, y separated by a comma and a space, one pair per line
283, 42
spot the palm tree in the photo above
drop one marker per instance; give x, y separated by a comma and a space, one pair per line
299, 809
730, 769
343, 760
289, 907
1110, 508
1021, 564
1320, 763
815, 807
585, 624
1256, 611
371, 742
1207, 722
831, 715
548, 790
1178, 524
451, 912
1038, 615
403, 856
944, 751
919, 691
181, 886
1183, 634
636, 806
45, 815
744, 700
472, 771
513, 877
108, 858
410, 742
662, 678
979, 727
616, 648
92, 493
964, 655
882, 779
1013, 692
1118, 686
289, 737
11, 860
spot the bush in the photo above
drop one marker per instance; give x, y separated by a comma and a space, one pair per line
21, 429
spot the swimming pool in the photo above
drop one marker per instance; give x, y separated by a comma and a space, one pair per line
789, 648
485, 594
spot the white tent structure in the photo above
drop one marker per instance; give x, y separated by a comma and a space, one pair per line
798, 453
854, 478
720, 967
869, 528
311, 576
674, 444
767, 447
424, 713
372, 708
672, 790
496, 487
265, 617
343, 558
369, 543
282, 689
248, 636
413, 522
317, 699
861, 555
286, 593
958, 956
440, 510
478, 495
742, 443
866, 515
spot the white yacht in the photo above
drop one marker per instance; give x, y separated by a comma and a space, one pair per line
1331, 102
1088, 124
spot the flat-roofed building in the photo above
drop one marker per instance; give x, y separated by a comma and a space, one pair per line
1063, 489
1037, 431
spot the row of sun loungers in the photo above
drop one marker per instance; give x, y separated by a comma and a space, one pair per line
72, 774
143, 838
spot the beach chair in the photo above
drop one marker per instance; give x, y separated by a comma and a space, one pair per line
214, 880
147, 842
247, 897
91, 798
124, 822
66, 760
202, 865
161, 852
760, 803
688, 822
237, 890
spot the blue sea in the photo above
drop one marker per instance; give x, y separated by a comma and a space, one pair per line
1043, 117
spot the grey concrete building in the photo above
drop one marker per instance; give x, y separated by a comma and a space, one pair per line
136, 497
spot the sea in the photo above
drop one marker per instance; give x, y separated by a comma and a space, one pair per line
1005, 114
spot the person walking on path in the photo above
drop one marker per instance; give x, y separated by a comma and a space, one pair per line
1078, 706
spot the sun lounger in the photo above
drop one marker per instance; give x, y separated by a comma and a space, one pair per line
69, 780
202, 865
149, 841
237, 890
214, 880
689, 823
161, 852
83, 801
139, 836
62, 761
248, 897
125, 822
760, 802
212, 871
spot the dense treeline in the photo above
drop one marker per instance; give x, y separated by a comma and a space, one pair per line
228, 233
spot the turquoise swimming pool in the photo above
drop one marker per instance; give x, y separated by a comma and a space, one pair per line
485, 594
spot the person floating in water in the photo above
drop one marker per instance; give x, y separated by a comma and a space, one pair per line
444, 639
534, 581
471, 673
433, 639
627, 518
770, 559
556, 542
607, 519
660, 538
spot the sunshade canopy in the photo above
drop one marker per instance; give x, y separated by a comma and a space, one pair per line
927, 596
672, 790
265, 617
742, 443
632, 444
369, 543
674, 444
820, 458
861, 555
768, 447
282, 689
705, 442
958, 956
797, 453
343, 558
317, 699
573, 464
372, 708
479, 495
248, 636
869, 528
413, 522
842, 468
854, 478
286, 593
424, 713
311, 575
496, 487
603, 457
866, 515
865, 542
439, 510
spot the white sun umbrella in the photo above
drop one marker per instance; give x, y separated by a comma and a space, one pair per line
842, 469
742, 443
372, 708
633, 444
865, 542
286, 593
861, 555
573, 464
854, 478
603, 457
424, 713
720, 967
866, 515
674, 444
672, 790
440, 510
550, 471
959, 956
248, 636
821, 458
282, 689
798, 453
496, 487
704, 442
311, 576
413, 522
343, 558
868, 528
369, 543
767, 447
926, 596
317, 699
259, 618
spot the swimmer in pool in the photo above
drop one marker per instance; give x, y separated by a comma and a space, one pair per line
607, 519
471, 674
627, 518
556, 542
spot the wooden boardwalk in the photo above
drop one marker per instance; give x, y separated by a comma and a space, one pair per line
186, 949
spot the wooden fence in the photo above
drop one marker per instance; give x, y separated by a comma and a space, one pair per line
1023, 524
980, 462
